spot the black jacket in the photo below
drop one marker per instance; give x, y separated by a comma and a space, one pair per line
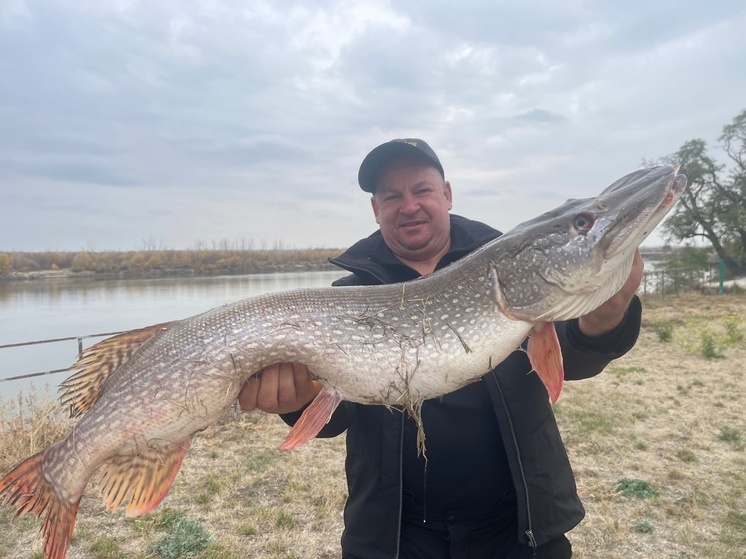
548, 504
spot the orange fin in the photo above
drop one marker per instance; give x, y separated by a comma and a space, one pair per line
26, 488
313, 419
144, 478
545, 356
97, 363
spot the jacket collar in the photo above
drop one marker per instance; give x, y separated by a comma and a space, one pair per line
373, 262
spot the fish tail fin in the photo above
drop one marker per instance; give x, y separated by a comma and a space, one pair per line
313, 419
26, 488
545, 355
145, 478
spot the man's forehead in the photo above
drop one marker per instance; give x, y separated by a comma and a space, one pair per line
406, 173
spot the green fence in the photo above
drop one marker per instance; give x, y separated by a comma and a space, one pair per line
672, 281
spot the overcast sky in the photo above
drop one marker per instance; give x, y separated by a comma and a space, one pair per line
173, 123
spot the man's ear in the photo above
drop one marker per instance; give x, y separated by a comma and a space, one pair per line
374, 205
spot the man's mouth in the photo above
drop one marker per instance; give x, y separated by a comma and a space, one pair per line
412, 224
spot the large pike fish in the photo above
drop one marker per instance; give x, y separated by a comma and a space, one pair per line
144, 394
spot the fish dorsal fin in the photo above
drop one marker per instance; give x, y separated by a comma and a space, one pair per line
143, 478
545, 355
313, 419
97, 363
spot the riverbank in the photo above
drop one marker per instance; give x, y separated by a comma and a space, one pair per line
168, 273
160, 263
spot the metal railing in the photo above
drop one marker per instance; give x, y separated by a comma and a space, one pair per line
79, 339
671, 281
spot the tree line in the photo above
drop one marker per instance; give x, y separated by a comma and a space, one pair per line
167, 262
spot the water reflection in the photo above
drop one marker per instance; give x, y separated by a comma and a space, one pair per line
44, 309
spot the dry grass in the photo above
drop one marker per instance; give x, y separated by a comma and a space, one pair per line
657, 443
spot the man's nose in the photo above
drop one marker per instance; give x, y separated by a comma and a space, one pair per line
410, 203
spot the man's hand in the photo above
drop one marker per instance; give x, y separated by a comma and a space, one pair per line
611, 313
281, 388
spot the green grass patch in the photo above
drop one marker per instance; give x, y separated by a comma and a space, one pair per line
733, 334
247, 530
185, 537
686, 455
259, 461
643, 527
731, 436
635, 488
737, 521
213, 484
625, 370
664, 330
105, 548
708, 347
284, 520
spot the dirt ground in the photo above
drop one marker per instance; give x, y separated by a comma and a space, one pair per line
657, 443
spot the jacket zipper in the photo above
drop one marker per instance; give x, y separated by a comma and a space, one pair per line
530, 532
401, 486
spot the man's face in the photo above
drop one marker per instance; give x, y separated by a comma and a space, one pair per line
411, 205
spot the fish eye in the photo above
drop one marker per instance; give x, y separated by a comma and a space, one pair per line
583, 222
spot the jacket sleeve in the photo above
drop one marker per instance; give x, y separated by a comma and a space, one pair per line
338, 423
586, 356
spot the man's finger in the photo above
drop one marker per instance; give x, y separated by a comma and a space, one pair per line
266, 399
286, 389
249, 391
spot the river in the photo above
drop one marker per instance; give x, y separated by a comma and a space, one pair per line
57, 308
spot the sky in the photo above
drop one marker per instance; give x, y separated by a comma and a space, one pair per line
180, 124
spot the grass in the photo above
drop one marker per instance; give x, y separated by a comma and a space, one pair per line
184, 537
656, 442
732, 436
664, 330
635, 488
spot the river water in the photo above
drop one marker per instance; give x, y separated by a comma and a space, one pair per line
57, 308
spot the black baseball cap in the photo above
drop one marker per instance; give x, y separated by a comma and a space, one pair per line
380, 156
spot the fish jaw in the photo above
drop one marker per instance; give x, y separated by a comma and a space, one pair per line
569, 261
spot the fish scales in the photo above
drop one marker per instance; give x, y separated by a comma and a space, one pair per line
355, 338
145, 394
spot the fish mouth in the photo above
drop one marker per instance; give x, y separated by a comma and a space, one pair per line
570, 260
647, 197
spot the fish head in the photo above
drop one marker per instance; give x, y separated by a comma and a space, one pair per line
567, 262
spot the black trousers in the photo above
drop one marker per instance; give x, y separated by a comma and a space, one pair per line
473, 540
461, 538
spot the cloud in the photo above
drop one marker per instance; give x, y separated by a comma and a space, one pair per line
193, 121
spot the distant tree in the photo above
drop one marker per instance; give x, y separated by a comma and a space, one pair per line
690, 257
5, 264
714, 205
82, 262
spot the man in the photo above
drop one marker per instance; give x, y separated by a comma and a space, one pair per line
497, 482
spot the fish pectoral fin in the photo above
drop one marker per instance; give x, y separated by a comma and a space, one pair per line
28, 490
545, 355
313, 419
97, 363
145, 478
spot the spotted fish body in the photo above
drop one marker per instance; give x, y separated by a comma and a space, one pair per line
145, 394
